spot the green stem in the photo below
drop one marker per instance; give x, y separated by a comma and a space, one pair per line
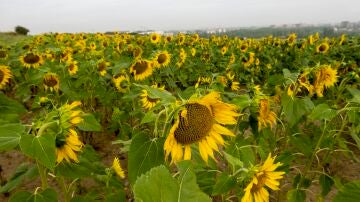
308, 166
65, 190
43, 175
45, 126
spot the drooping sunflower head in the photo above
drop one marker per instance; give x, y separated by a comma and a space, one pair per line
264, 176
322, 48
147, 101
122, 83
70, 115
162, 59
67, 146
248, 59
5, 75
155, 38
200, 121
266, 116
325, 77
51, 82
141, 69
31, 60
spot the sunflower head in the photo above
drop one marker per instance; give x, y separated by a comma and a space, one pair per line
122, 83
322, 48
31, 60
266, 116
147, 101
67, 146
243, 47
141, 69
264, 176
325, 77
201, 122
291, 39
72, 67
5, 75
155, 38
51, 82
162, 59
3, 54
102, 65
224, 49
117, 168
137, 52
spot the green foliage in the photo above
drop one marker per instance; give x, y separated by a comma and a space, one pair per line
21, 30
350, 192
10, 135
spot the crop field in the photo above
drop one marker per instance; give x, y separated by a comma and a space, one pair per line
128, 117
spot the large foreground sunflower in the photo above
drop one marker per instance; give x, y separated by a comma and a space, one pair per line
141, 69
201, 121
5, 75
265, 176
31, 60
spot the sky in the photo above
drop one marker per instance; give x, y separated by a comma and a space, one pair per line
41, 16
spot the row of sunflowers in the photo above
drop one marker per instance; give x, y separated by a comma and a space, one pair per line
195, 119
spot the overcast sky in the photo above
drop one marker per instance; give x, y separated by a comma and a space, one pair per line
119, 15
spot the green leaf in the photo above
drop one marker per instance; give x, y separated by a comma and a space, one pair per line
295, 108
322, 111
350, 192
41, 148
44, 196
224, 184
10, 135
21, 172
21, 196
242, 101
356, 95
290, 77
10, 106
296, 195
188, 189
165, 96
157, 185
89, 123
149, 117
326, 183
235, 162
144, 154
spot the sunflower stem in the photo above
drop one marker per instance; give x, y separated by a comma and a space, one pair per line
45, 126
308, 166
43, 175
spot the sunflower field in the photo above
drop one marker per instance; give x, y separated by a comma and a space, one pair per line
127, 117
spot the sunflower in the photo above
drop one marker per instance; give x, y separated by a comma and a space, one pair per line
51, 82
67, 146
193, 52
72, 67
121, 83
31, 60
117, 168
325, 77
265, 176
181, 39
310, 40
70, 117
5, 75
202, 80
92, 46
201, 121
137, 52
162, 59
291, 39
232, 84
243, 47
155, 38
102, 65
247, 61
232, 59
141, 69
342, 40
3, 54
266, 116
224, 49
147, 101
304, 82
168, 39
322, 48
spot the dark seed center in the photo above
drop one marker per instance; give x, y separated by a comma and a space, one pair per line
196, 125
31, 58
